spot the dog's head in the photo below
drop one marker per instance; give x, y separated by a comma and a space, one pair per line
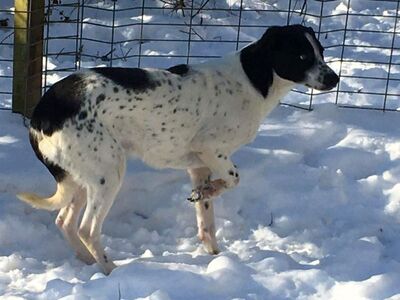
297, 55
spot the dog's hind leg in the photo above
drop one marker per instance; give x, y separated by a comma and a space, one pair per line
200, 177
100, 197
67, 222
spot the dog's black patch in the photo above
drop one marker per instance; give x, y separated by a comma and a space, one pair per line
281, 50
293, 55
129, 78
257, 66
179, 69
55, 170
61, 102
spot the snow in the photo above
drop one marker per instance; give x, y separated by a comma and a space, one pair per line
316, 215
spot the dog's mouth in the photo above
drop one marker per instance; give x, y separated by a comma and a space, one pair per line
323, 79
321, 86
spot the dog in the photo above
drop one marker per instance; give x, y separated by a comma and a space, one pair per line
191, 117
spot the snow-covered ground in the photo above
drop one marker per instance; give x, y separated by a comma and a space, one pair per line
316, 215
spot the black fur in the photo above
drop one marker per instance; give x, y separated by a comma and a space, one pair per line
58, 173
256, 63
179, 69
61, 102
129, 78
289, 44
279, 50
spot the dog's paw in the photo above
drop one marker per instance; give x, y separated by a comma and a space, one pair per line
232, 179
86, 258
195, 196
211, 190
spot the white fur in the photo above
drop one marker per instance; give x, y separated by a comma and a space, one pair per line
224, 120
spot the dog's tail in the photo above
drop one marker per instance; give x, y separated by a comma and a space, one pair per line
61, 198
66, 186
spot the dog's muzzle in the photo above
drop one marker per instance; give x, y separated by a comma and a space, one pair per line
321, 77
330, 80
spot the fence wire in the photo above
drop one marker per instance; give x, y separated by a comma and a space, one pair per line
361, 39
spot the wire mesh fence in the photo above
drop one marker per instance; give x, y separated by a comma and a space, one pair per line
361, 39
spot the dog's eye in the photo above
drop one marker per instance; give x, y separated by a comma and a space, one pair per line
303, 56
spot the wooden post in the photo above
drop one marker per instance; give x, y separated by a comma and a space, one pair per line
28, 53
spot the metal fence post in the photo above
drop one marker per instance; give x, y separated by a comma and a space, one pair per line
28, 52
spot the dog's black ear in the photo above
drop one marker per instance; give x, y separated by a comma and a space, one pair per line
269, 38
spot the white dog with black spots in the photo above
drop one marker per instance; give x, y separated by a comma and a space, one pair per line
191, 117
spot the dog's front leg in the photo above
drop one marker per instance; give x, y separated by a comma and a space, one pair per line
220, 165
200, 178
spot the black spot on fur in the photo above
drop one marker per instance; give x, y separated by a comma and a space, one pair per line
179, 69
61, 102
100, 98
55, 170
82, 115
129, 78
206, 205
102, 181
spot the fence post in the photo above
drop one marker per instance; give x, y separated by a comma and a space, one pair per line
28, 53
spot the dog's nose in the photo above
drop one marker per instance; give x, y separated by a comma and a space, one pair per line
331, 79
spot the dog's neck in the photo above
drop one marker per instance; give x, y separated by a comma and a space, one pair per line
279, 88
257, 65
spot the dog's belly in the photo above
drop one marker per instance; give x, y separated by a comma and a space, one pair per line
165, 160
158, 152
178, 148
163, 155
